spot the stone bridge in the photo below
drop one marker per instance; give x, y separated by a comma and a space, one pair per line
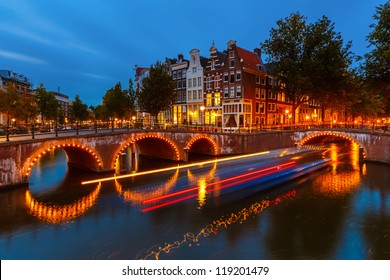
103, 152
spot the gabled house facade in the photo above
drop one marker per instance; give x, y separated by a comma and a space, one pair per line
243, 83
213, 88
195, 78
178, 70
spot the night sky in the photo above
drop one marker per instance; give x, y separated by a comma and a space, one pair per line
85, 47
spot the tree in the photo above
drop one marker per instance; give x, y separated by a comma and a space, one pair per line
285, 51
9, 102
47, 104
100, 113
309, 61
27, 108
377, 63
327, 65
157, 92
79, 110
117, 103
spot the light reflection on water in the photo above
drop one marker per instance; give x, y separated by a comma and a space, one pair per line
339, 213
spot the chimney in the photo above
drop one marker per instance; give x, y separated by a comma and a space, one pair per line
258, 52
231, 43
180, 57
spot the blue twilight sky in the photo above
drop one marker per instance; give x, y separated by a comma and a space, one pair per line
84, 47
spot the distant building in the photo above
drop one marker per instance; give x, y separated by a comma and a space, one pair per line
63, 100
178, 70
140, 74
21, 82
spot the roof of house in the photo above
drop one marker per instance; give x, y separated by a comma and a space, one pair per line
250, 60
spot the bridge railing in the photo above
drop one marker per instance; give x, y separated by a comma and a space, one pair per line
71, 130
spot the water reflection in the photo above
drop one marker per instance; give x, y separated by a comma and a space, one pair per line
339, 182
341, 212
213, 228
55, 195
54, 213
137, 194
48, 172
201, 181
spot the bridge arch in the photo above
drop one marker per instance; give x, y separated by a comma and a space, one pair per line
149, 145
202, 144
326, 134
79, 155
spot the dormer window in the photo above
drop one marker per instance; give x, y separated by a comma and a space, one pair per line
231, 54
259, 67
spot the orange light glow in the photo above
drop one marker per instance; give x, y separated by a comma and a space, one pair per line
56, 214
171, 168
232, 181
222, 223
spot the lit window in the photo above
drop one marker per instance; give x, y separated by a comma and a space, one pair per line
217, 99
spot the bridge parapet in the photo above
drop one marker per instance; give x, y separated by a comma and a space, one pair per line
376, 145
99, 151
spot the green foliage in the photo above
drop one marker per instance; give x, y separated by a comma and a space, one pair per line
47, 104
27, 108
79, 110
309, 61
157, 92
117, 103
100, 113
377, 64
9, 102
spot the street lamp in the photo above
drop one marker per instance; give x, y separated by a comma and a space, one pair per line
202, 108
133, 119
307, 119
287, 111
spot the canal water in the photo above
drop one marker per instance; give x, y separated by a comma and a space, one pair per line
339, 212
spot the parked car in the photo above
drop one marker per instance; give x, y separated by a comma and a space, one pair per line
18, 130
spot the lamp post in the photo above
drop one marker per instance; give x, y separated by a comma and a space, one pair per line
288, 121
33, 130
307, 119
133, 119
202, 108
7, 133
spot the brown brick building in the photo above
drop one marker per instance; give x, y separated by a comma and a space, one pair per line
244, 88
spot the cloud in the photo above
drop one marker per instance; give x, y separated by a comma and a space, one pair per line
95, 76
25, 34
21, 57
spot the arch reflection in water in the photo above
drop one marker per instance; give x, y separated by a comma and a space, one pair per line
201, 181
213, 227
334, 183
136, 196
56, 214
